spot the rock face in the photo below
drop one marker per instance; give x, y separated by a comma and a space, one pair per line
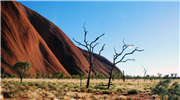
27, 36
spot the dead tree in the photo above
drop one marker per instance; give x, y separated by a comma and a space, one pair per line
122, 55
102, 48
90, 48
145, 71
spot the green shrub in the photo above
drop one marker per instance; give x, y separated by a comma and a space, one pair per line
174, 91
133, 91
106, 92
100, 87
58, 75
161, 88
99, 75
119, 90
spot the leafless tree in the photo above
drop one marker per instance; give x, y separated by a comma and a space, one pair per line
122, 57
90, 48
102, 48
145, 72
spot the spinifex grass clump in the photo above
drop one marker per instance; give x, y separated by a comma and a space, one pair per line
161, 88
174, 91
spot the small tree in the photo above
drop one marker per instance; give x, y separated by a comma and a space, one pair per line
21, 68
123, 55
123, 76
159, 75
80, 76
90, 48
175, 75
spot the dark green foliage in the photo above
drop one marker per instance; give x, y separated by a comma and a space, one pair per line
166, 76
173, 97
106, 92
100, 75
133, 91
161, 88
118, 76
58, 75
100, 86
21, 68
6, 75
123, 76
174, 91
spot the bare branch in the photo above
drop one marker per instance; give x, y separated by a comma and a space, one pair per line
95, 45
136, 49
115, 51
125, 46
79, 43
85, 35
102, 48
128, 60
96, 39
145, 71
119, 54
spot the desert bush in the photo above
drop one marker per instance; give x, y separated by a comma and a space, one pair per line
6, 75
58, 75
107, 92
161, 88
100, 86
93, 97
174, 91
91, 90
133, 91
119, 90
99, 75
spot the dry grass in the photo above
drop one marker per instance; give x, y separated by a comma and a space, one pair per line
70, 89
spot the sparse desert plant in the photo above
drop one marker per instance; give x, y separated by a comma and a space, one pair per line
58, 75
123, 76
90, 48
145, 72
174, 91
100, 86
161, 88
93, 97
21, 68
133, 91
122, 55
99, 75
119, 90
106, 92
60, 89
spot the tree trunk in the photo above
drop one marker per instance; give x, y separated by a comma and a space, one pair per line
124, 77
109, 83
80, 80
90, 69
21, 78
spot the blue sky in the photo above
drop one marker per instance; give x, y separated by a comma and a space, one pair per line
153, 26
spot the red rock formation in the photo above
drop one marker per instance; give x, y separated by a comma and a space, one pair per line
27, 36
44, 45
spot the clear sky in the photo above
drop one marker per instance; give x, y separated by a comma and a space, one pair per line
152, 26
